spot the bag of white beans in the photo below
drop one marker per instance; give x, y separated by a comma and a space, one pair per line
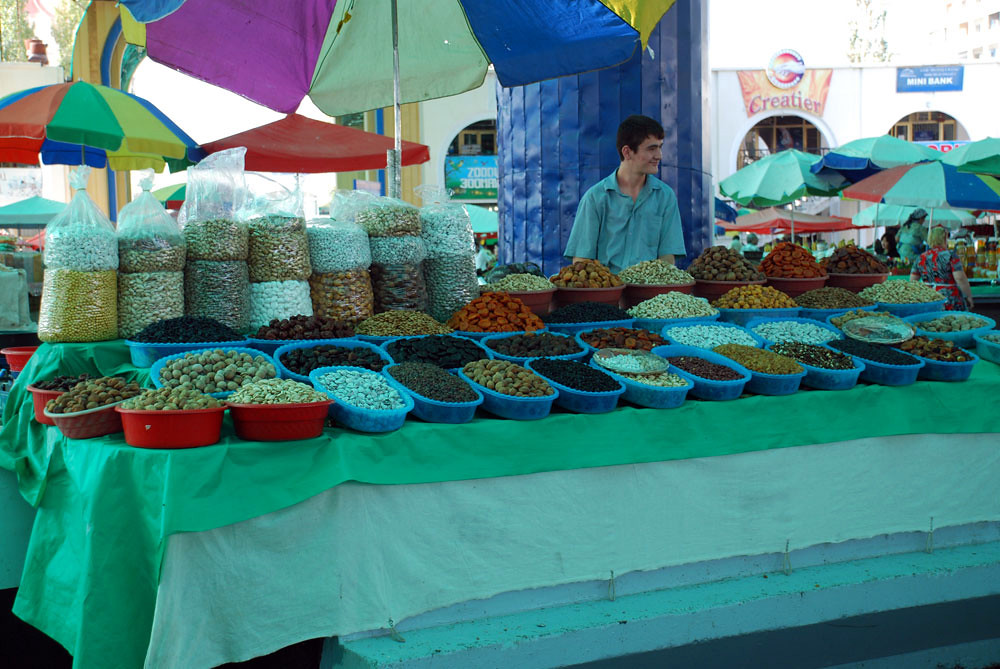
81, 238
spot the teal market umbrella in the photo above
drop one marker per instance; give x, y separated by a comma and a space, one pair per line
861, 158
980, 157
483, 220
888, 215
33, 212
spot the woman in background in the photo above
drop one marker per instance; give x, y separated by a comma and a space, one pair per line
942, 269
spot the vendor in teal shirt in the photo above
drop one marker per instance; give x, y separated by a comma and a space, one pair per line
629, 216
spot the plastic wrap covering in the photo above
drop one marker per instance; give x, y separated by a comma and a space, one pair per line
211, 216
343, 296
278, 299
78, 306
451, 284
346, 204
147, 297
81, 237
335, 246
219, 290
407, 249
399, 286
444, 226
149, 240
389, 217
279, 248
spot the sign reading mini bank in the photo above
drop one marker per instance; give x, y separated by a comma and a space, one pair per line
785, 84
930, 78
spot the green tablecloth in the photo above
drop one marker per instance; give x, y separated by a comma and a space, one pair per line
105, 509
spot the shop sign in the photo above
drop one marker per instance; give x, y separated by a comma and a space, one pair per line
929, 78
471, 177
944, 147
806, 93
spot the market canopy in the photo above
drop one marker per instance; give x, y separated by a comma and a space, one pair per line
483, 220
299, 144
33, 212
773, 218
889, 215
864, 157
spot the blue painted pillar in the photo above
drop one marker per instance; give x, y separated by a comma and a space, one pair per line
557, 138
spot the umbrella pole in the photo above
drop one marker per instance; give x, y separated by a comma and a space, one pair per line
791, 217
394, 155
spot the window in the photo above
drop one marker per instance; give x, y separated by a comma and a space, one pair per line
963, 28
994, 20
776, 134
931, 126
976, 53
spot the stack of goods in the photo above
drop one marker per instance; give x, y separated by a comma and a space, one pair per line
398, 254
93, 394
704, 369
276, 391
341, 287
172, 399
851, 315
831, 298
432, 382
278, 260
361, 390
215, 371
642, 340
806, 333
575, 375
534, 345
518, 283
507, 378
442, 350
672, 305
304, 327
301, 361
450, 268
874, 352
952, 323
901, 292
816, 356
719, 263
216, 277
80, 289
709, 336
402, 323
852, 260
754, 297
495, 312
935, 349
586, 274
187, 329
791, 261
759, 360
587, 312
151, 254
655, 272
992, 338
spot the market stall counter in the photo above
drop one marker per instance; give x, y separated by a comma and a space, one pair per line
107, 512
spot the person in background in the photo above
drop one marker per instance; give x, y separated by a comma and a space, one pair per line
751, 244
735, 244
910, 241
889, 243
942, 269
484, 259
629, 216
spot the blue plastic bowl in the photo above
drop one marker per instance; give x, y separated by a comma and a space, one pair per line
903, 310
582, 355
515, 408
378, 340
657, 324
285, 373
936, 370
707, 389
744, 316
487, 353
154, 371
834, 332
592, 349
573, 328
758, 341
144, 354
479, 336
581, 401
436, 411
824, 315
821, 378
269, 346
653, 397
890, 375
987, 350
364, 420
964, 339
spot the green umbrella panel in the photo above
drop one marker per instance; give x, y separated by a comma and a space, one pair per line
980, 157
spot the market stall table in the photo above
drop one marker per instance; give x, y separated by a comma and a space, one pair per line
109, 576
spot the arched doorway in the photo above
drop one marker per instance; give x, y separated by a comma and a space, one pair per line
929, 126
778, 133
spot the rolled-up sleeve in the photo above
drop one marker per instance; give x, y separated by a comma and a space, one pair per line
671, 233
586, 226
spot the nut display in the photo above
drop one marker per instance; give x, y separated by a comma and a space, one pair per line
81, 247
277, 391
187, 329
444, 351
830, 297
278, 299
304, 327
345, 295
61, 383
401, 323
587, 312
495, 312
219, 290
816, 356
278, 249
586, 274
399, 287
148, 297
215, 371
336, 246
663, 379
901, 292
655, 272
952, 323
217, 239
629, 361
304, 360
171, 399
518, 283
633, 338
389, 218
673, 305
432, 382
151, 254
759, 360
857, 313
754, 297
850, 259
78, 306
507, 378
575, 375
361, 389
446, 230
718, 263
93, 393
451, 284
874, 352
704, 369
807, 333
788, 260
534, 345
935, 349
992, 338
405, 250
709, 336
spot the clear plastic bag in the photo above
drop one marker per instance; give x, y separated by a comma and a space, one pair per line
444, 226
219, 290
78, 306
149, 240
451, 284
212, 214
336, 246
399, 286
406, 249
343, 296
345, 204
278, 299
147, 297
81, 237
389, 217
279, 248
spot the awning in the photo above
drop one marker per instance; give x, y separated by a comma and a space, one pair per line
33, 212
772, 218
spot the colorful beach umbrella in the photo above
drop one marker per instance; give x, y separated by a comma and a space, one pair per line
932, 185
980, 157
861, 158
173, 196
889, 215
66, 124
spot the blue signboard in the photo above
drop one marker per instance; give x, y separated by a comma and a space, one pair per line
929, 78
471, 177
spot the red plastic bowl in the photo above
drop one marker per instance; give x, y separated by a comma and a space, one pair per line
539, 301
713, 290
182, 428
610, 296
793, 287
640, 292
17, 356
855, 282
90, 423
279, 422
39, 398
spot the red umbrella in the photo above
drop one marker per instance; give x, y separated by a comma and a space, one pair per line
767, 219
300, 144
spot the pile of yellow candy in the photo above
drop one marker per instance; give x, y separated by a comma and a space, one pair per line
754, 297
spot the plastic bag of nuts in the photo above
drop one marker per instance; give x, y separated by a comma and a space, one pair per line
211, 216
78, 306
451, 284
279, 249
399, 286
219, 290
148, 297
278, 299
336, 246
343, 296
81, 237
389, 217
149, 240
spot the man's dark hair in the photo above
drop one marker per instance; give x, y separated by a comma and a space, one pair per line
634, 130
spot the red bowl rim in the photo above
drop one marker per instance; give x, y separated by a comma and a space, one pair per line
731, 283
18, 350
526, 292
839, 274
798, 278
85, 412
32, 389
659, 285
168, 412
575, 290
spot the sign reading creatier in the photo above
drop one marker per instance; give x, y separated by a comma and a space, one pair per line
471, 177
929, 78
785, 84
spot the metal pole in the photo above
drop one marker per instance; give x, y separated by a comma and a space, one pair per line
394, 155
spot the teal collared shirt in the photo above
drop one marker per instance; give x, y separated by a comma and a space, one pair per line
611, 227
